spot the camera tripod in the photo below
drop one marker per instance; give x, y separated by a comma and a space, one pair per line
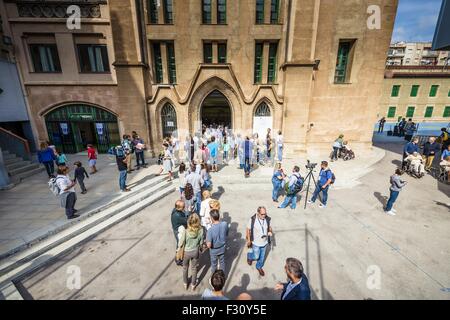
308, 177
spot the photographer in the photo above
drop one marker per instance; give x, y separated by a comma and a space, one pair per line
325, 179
258, 237
294, 186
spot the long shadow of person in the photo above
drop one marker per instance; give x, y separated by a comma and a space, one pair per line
220, 191
235, 243
204, 265
381, 198
237, 290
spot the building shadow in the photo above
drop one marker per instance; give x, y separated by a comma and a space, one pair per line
382, 199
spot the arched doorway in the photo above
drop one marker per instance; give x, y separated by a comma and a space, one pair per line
72, 127
262, 119
216, 110
168, 120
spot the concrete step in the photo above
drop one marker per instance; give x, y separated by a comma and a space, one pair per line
16, 268
17, 164
27, 168
5, 152
11, 160
27, 174
9, 156
140, 193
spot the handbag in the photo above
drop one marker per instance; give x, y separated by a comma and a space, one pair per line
179, 256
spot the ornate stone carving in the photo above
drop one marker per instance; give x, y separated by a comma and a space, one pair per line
48, 10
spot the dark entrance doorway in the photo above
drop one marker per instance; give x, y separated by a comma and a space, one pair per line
71, 128
216, 110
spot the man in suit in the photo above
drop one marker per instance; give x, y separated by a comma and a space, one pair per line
298, 287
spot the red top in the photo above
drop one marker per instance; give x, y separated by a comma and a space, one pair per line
92, 154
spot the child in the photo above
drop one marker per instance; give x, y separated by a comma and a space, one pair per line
61, 159
80, 172
226, 149
92, 156
182, 178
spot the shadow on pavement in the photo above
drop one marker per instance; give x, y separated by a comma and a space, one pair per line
383, 199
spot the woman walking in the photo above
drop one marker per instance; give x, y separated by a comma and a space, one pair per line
204, 173
182, 178
396, 186
277, 181
168, 160
61, 159
191, 240
46, 156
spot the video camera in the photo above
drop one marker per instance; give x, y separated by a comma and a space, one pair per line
310, 166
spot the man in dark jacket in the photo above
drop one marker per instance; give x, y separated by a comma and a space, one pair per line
298, 286
430, 149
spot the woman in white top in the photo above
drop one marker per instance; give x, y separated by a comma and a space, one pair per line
168, 160
204, 210
67, 193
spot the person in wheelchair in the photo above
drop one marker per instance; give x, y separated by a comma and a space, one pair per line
445, 169
415, 164
346, 152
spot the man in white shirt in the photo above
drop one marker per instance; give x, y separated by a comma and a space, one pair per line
258, 233
67, 193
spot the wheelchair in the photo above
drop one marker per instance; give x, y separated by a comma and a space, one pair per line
409, 169
442, 175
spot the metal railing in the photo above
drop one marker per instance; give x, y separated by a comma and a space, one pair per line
14, 144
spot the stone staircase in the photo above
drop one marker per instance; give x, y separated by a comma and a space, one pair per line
19, 169
24, 260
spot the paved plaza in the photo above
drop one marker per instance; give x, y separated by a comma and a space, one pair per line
350, 250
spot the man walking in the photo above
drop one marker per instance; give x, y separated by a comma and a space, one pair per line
258, 236
213, 148
323, 184
248, 148
294, 187
430, 149
139, 148
121, 160
298, 286
216, 241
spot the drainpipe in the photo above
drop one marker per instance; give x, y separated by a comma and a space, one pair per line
288, 31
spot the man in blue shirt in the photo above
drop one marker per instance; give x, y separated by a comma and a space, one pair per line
298, 286
248, 148
325, 179
213, 152
216, 241
410, 148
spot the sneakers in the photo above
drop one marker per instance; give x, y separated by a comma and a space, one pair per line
391, 213
393, 210
261, 272
309, 202
249, 262
322, 206
74, 217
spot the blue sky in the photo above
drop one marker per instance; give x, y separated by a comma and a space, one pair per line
416, 20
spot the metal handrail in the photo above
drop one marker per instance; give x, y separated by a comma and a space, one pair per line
14, 144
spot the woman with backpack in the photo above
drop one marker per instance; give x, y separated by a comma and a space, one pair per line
190, 242
61, 159
67, 193
294, 186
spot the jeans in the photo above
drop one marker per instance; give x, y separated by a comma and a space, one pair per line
81, 184
392, 198
123, 179
280, 152
292, 199
70, 204
258, 255
324, 194
276, 191
225, 156
217, 258
49, 167
190, 257
247, 165
139, 159
198, 198
207, 184
335, 153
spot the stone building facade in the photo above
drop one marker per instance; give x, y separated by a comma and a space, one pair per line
310, 68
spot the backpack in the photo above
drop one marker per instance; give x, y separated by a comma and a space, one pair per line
333, 178
53, 186
253, 224
297, 186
